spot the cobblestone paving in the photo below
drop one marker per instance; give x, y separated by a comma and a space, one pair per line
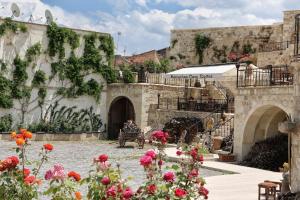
78, 156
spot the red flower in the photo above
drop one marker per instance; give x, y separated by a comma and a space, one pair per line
127, 194
160, 162
26, 172
178, 153
160, 136
14, 161
74, 175
105, 181
48, 147
146, 161
180, 192
169, 176
203, 191
151, 189
103, 158
151, 153
29, 180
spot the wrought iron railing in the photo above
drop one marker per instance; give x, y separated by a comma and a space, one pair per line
196, 105
275, 46
270, 76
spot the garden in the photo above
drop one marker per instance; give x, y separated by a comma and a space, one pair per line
23, 176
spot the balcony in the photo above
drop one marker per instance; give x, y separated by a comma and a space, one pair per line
248, 76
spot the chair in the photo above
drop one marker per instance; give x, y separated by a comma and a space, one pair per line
277, 183
270, 190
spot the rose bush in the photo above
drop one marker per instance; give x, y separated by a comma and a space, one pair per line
179, 181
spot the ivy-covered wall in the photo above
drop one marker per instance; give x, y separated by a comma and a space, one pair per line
41, 64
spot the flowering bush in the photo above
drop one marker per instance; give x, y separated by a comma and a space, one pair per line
179, 181
17, 181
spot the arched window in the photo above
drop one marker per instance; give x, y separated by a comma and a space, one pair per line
297, 31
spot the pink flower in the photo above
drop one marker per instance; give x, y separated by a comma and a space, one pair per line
193, 173
169, 176
180, 192
160, 136
105, 181
146, 161
58, 172
49, 175
151, 189
111, 192
104, 165
151, 153
127, 193
103, 158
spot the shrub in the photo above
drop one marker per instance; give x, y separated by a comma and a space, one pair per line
6, 123
128, 76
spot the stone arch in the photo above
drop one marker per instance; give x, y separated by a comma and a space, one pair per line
121, 109
262, 123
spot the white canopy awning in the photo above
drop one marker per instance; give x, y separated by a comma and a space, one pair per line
209, 71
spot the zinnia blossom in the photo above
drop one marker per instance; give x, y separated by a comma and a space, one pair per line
13, 135
169, 176
151, 153
48, 147
103, 158
26, 172
127, 193
178, 153
111, 192
49, 175
78, 196
74, 175
203, 191
29, 180
146, 161
27, 135
20, 141
180, 192
151, 189
105, 181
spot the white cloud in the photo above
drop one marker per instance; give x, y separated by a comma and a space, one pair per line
141, 2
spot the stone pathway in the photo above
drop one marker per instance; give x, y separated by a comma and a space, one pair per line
241, 185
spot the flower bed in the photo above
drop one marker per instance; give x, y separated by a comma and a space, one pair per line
104, 182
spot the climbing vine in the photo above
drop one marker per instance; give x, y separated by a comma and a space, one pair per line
201, 42
33, 52
107, 45
57, 38
10, 25
39, 78
6, 100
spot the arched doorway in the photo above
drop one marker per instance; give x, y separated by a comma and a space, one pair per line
121, 110
270, 148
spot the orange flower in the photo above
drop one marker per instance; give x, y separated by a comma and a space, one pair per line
48, 147
27, 134
20, 141
75, 175
13, 135
78, 196
22, 130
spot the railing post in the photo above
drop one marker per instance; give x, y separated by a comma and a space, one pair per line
237, 74
158, 100
271, 74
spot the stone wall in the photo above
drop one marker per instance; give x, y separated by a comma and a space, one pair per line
183, 51
13, 44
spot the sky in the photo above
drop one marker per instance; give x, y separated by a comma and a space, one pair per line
145, 24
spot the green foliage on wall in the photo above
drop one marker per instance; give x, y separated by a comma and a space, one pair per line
10, 25
39, 78
6, 123
220, 55
57, 38
107, 45
19, 78
3, 66
33, 52
91, 55
201, 43
6, 100
248, 49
